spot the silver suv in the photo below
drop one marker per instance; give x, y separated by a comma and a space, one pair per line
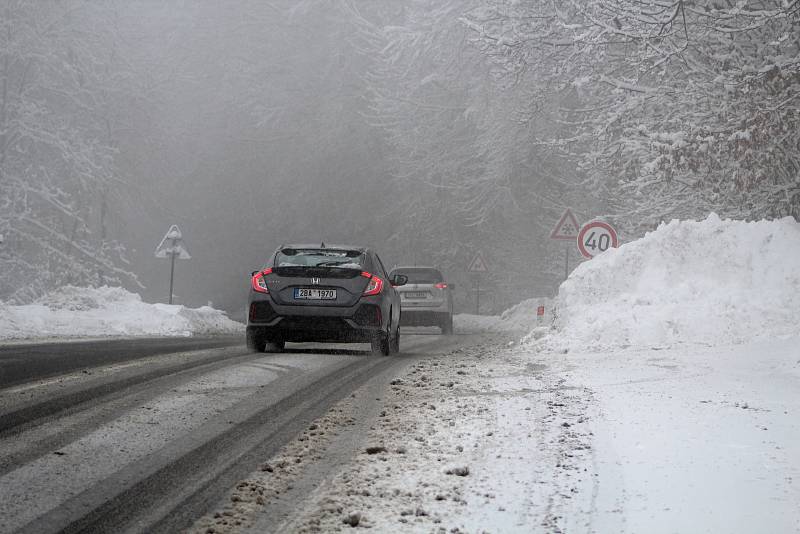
426, 299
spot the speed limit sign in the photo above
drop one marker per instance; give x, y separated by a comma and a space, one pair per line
596, 237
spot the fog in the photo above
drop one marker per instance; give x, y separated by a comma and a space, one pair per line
429, 130
261, 141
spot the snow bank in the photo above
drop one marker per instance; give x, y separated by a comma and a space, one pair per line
518, 318
108, 311
712, 282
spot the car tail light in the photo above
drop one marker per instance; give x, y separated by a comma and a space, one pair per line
258, 282
441, 285
375, 285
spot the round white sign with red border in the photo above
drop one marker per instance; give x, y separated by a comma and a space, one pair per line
596, 237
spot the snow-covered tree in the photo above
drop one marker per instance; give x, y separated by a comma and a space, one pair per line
671, 108
56, 161
465, 170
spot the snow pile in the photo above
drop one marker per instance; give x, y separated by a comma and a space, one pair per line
108, 311
712, 282
518, 318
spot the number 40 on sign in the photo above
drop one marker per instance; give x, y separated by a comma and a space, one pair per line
596, 237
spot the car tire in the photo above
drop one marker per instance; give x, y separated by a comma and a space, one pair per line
447, 325
255, 342
381, 344
395, 341
274, 346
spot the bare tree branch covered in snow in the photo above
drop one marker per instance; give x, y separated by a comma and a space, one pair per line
461, 158
679, 107
56, 159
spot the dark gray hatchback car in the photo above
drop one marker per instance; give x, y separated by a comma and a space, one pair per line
324, 293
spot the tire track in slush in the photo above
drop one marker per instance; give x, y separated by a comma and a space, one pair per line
90, 408
166, 490
14, 421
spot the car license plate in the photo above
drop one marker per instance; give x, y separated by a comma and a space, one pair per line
307, 293
415, 294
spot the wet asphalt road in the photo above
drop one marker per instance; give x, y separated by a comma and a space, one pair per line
148, 435
22, 362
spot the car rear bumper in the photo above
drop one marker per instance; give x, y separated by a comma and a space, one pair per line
422, 317
299, 332
408, 306
330, 324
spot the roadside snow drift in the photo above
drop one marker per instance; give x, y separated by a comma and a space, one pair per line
712, 282
108, 311
518, 318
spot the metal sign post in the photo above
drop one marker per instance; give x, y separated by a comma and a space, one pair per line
171, 275
477, 295
172, 245
478, 266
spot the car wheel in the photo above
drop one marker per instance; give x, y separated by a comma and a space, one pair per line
381, 344
274, 346
447, 325
255, 342
395, 342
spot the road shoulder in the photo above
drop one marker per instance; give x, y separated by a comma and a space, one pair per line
483, 437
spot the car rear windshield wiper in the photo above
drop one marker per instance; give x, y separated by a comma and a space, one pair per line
341, 264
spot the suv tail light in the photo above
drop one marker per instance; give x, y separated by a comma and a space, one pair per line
258, 282
441, 285
375, 285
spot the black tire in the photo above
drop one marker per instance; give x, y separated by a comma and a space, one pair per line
394, 344
447, 325
381, 344
255, 342
274, 346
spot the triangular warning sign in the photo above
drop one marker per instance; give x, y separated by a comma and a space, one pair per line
567, 227
172, 245
478, 264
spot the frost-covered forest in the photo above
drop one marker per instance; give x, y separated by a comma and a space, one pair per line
431, 129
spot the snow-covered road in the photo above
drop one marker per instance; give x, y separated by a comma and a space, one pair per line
508, 439
149, 454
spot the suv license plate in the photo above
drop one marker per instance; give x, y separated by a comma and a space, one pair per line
415, 295
307, 293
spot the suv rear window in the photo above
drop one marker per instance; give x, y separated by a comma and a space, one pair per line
308, 257
420, 275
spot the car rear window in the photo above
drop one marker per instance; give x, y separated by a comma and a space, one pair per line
420, 275
317, 257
